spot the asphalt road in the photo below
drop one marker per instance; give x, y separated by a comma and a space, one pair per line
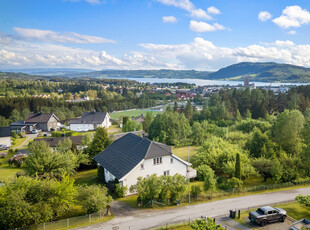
145, 219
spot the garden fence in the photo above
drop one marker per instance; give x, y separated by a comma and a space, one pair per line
67, 223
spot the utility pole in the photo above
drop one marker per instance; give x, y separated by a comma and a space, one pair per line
189, 185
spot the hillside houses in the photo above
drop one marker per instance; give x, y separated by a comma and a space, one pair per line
90, 121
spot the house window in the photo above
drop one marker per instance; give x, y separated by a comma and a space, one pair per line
142, 166
157, 160
171, 160
166, 173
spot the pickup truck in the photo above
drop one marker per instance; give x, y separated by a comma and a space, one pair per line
267, 214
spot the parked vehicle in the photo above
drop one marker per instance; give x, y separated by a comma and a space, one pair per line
267, 214
35, 131
4, 147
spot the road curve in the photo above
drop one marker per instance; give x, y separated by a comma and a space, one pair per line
145, 219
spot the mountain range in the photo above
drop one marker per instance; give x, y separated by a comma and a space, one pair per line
255, 71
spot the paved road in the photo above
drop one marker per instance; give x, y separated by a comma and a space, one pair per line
145, 219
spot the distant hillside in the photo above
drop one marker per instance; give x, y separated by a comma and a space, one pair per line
263, 71
164, 73
49, 71
256, 71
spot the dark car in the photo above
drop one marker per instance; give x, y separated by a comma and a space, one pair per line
267, 214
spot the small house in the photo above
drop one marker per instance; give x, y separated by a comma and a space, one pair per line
90, 121
132, 156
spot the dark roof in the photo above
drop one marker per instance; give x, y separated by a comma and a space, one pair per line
125, 153
39, 117
21, 123
53, 141
90, 118
5, 131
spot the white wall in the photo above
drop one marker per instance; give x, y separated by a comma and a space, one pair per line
81, 127
106, 123
177, 167
88, 127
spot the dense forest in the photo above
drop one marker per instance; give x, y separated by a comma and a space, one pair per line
242, 133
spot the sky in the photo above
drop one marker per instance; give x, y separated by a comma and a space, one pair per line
152, 34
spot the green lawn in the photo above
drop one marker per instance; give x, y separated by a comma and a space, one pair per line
256, 180
19, 141
130, 200
182, 152
6, 171
114, 129
88, 177
131, 113
294, 210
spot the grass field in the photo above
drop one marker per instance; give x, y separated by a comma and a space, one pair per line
88, 177
294, 210
19, 141
114, 129
182, 152
7, 172
132, 113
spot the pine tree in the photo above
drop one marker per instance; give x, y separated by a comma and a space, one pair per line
238, 167
100, 142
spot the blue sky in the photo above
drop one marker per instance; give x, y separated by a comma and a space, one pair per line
152, 34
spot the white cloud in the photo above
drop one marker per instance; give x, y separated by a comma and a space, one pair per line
51, 36
93, 2
213, 10
204, 27
200, 13
292, 16
284, 43
169, 19
292, 32
264, 16
204, 55
183, 4
199, 54
188, 6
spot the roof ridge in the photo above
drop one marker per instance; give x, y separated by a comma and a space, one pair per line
156, 143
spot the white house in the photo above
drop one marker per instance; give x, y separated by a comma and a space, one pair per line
132, 156
90, 121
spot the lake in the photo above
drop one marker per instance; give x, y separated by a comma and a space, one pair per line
201, 82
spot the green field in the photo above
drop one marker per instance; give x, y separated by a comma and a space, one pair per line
6, 171
131, 113
293, 209
88, 177
182, 152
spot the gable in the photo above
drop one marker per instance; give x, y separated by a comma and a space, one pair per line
126, 152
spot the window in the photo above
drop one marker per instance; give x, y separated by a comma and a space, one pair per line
157, 160
142, 166
166, 173
171, 160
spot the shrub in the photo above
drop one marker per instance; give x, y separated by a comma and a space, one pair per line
93, 198
3, 155
14, 135
100, 174
229, 184
17, 160
195, 191
22, 135
120, 191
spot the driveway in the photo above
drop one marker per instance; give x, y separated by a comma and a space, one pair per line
145, 219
